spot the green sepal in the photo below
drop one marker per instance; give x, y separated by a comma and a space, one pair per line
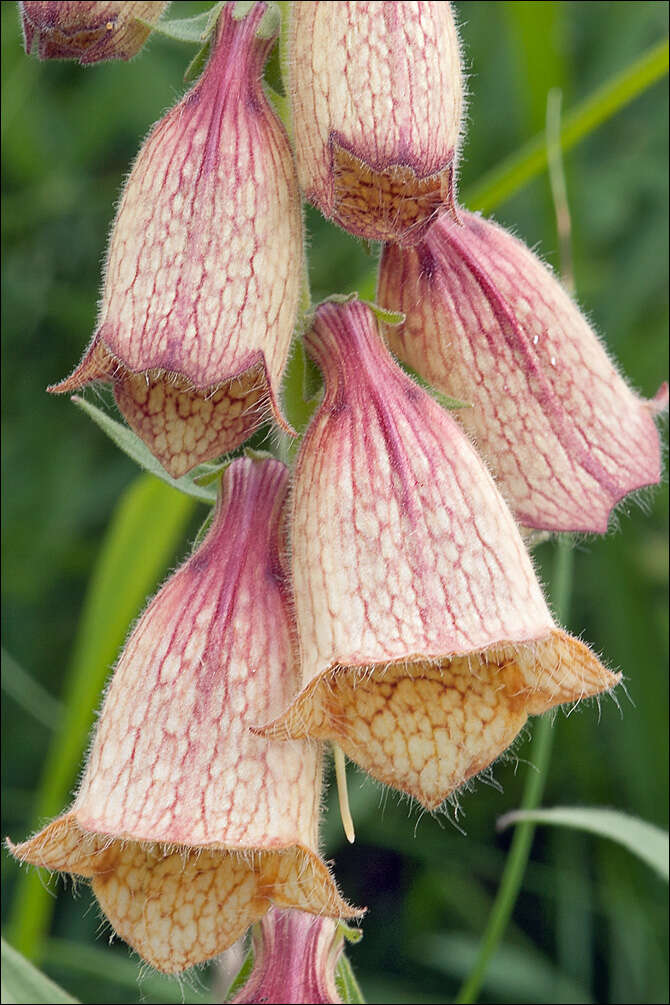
445, 400
352, 935
269, 24
192, 30
278, 101
203, 530
345, 981
383, 314
210, 474
258, 455
197, 64
242, 975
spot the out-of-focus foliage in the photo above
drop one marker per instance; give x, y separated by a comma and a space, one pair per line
591, 923
22, 982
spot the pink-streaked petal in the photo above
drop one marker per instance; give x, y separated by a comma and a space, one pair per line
183, 812
411, 580
376, 96
88, 32
488, 323
205, 260
295, 955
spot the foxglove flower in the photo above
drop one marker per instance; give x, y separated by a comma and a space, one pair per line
488, 323
89, 32
295, 955
424, 636
204, 266
376, 97
188, 824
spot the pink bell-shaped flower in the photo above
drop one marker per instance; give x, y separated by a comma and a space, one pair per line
488, 323
376, 96
204, 266
188, 824
424, 637
295, 955
89, 32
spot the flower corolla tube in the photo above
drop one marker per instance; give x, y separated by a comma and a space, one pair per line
204, 266
188, 824
376, 98
486, 322
425, 639
295, 956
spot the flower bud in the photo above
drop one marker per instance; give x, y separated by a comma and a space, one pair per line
204, 267
89, 32
295, 955
376, 97
488, 323
424, 636
188, 824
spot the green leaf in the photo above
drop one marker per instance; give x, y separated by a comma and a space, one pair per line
24, 983
193, 30
28, 693
643, 839
137, 450
346, 982
147, 527
521, 167
197, 64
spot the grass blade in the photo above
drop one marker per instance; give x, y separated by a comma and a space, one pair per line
648, 842
22, 982
145, 531
29, 693
521, 167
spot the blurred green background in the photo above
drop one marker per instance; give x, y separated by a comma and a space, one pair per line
591, 922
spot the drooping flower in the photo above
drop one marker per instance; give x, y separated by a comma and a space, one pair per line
295, 955
188, 824
89, 32
425, 640
205, 263
488, 323
376, 96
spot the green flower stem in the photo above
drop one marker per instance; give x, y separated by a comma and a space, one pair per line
519, 852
